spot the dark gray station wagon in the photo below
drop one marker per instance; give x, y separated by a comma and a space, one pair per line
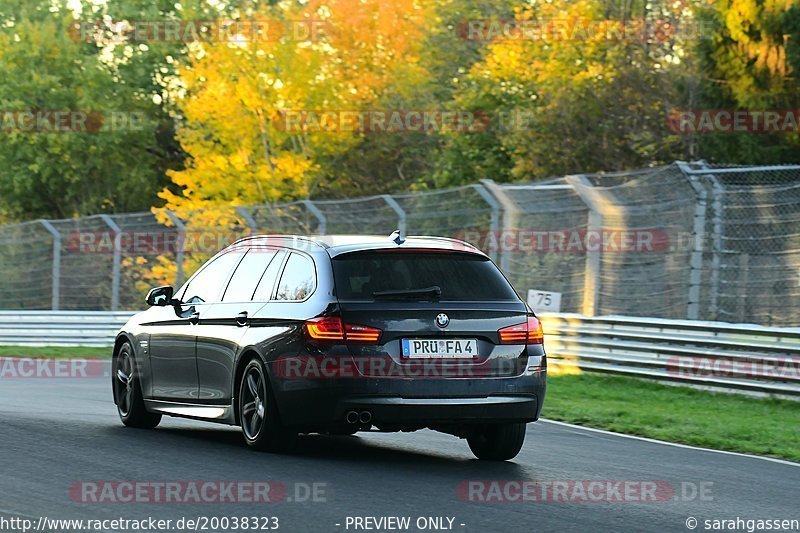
283, 335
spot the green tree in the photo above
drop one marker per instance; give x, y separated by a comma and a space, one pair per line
750, 57
580, 100
109, 165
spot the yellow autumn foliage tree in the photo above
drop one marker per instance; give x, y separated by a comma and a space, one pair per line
236, 92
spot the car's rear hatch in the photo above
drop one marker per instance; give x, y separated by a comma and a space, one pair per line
438, 312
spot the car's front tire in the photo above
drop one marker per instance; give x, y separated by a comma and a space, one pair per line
261, 424
128, 391
497, 442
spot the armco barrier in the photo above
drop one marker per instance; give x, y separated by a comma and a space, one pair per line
717, 354
60, 328
741, 357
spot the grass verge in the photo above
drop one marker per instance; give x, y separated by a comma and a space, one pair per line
762, 426
54, 351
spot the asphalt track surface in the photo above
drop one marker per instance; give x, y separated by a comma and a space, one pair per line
55, 433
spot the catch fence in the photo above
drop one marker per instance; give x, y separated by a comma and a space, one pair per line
680, 241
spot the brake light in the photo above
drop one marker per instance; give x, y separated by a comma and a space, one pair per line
535, 331
326, 328
331, 329
528, 332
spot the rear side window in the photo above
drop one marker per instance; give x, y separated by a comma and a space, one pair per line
248, 274
299, 279
460, 276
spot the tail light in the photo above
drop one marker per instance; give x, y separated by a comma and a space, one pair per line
332, 329
529, 332
517, 334
361, 333
327, 328
535, 331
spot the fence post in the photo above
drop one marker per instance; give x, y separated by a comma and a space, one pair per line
699, 230
56, 273
591, 274
510, 215
252, 226
117, 265
716, 258
741, 292
494, 221
179, 253
322, 222
401, 214
717, 229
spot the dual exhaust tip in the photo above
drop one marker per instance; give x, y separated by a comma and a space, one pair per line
355, 417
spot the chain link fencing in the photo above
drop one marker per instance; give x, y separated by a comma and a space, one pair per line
685, 240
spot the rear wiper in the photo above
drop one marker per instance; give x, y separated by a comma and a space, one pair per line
434, 292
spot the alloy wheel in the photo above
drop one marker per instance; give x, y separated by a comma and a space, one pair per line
253, 404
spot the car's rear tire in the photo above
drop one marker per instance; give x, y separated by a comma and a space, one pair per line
128, 391
497, 442
261, 424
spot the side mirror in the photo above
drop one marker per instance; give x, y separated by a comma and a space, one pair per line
160, 296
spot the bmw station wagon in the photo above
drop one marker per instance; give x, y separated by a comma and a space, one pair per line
284, 335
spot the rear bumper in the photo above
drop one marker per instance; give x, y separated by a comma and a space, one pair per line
316, 404
423, 411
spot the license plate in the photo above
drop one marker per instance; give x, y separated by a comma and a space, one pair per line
440, 348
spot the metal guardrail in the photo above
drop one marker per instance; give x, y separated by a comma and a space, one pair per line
60, 328
735, 357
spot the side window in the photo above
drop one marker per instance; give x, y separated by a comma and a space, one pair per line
299, 279
208, 284
267, 281
248, 274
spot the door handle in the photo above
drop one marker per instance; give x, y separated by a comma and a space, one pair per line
241, 319
194, 318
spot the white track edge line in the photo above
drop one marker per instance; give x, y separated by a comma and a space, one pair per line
665, 443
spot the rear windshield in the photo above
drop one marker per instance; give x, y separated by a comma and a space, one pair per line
459, 276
